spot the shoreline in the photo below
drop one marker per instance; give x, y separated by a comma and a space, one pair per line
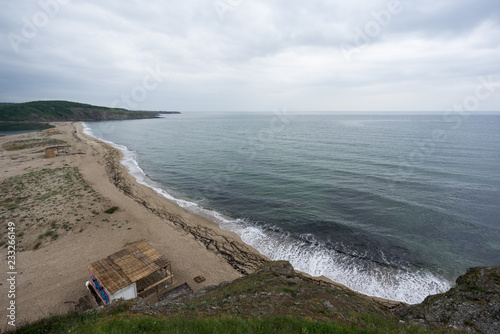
51, 278
321, 280
306, 223
240, 256
51, 272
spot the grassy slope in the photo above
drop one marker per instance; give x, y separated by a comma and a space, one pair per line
264, 302
22, 126
126, 323
46, 111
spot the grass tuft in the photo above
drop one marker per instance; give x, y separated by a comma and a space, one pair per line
111, 210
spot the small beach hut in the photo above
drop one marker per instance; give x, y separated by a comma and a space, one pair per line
129, 273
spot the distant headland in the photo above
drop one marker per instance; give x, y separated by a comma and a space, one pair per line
15, 115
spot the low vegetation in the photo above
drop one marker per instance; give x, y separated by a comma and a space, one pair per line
111, 209
51, 111
43, 142
127, 323
46, 204
17, 126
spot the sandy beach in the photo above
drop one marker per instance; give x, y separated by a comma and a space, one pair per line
58, 208
61, 228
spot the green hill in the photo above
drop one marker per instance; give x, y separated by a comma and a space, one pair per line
57, 111
274, 299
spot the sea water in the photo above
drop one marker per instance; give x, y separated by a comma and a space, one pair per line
390, 206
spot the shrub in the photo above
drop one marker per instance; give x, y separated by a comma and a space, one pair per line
111, 210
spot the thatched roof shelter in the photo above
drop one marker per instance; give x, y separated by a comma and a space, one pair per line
136, 262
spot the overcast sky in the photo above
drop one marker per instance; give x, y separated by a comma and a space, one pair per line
253, 55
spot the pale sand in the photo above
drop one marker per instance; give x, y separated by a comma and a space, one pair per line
52, 278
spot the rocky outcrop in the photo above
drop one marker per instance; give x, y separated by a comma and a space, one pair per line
472, 305
273, 290
283, 268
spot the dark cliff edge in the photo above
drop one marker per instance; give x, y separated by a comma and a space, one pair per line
473, 305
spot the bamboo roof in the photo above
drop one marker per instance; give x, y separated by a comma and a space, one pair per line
128, 265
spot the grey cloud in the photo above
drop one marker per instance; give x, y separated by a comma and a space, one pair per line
445, 18
260, 55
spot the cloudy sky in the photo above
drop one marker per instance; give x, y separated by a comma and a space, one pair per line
254, 55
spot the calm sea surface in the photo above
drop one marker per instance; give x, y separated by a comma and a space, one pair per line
391, 206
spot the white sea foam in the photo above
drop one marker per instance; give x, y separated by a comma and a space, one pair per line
406, 285
360, 275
